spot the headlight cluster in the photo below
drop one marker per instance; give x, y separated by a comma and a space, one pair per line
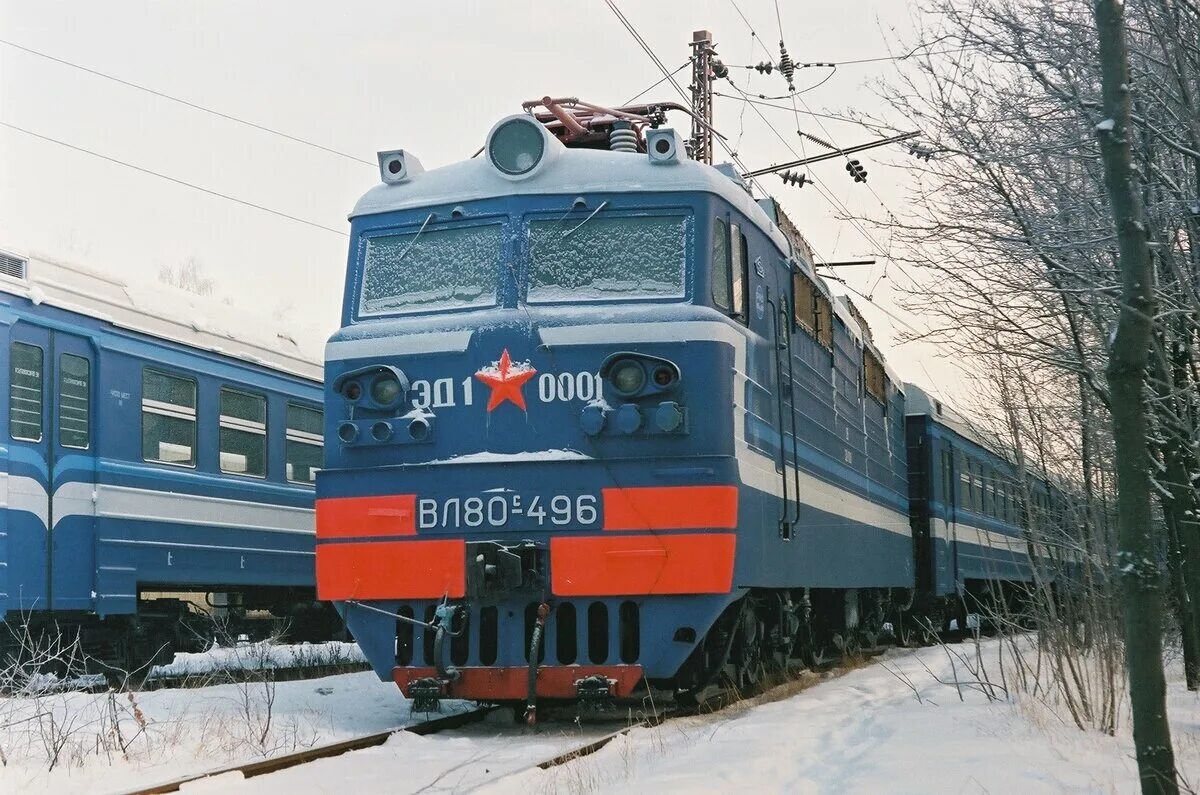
637, 380
638, 375
376, 388
379, 390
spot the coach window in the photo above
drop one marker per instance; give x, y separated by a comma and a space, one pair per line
25, 392
168, 418
74, 390
304, 443
720, 265
243, 433
978, 481
739, 259
947, 480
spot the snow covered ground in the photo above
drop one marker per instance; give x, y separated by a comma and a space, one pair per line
888, 727
869, 732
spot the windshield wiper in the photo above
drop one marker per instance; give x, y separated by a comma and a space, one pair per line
416, 237
572, 231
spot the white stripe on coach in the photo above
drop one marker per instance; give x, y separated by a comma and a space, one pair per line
124, 502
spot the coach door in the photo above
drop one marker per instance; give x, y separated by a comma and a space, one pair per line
28, 409
72, 443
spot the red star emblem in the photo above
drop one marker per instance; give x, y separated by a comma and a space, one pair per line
506, 381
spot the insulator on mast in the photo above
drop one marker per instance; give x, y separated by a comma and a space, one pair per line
786, 66
794, 178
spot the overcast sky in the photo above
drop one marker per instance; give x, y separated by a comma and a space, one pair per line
363, 76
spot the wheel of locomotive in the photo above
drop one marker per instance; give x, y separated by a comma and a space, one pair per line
708, 660
783, 627
746, 660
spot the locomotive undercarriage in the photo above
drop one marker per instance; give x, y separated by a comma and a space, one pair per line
754, 640
124, 648
769, 632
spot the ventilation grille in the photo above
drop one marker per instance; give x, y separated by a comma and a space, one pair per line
12, 266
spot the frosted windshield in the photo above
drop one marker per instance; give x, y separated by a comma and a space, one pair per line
606, 258
431, 270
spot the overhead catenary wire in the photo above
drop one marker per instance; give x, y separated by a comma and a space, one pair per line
175, 180
187, 103
794, 97
656, 84
671, 78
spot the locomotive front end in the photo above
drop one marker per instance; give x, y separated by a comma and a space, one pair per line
530, 485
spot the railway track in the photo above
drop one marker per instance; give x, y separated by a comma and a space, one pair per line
714, 703
284, 761
225, 676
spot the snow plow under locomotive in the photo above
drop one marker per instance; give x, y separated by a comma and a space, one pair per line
593, 421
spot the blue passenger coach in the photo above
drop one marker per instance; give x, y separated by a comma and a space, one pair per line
147, 448
979, 527
592, 419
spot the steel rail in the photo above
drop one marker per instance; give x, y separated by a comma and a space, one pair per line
284, 761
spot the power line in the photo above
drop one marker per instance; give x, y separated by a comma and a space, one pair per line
661, 80
745, 97
916, 51
177, 181
671, 77
184, 102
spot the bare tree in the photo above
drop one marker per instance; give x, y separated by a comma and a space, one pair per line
1129, 356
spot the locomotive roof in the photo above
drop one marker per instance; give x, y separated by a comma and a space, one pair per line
163, 312
571, 171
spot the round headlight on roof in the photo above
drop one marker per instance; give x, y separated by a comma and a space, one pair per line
516, 146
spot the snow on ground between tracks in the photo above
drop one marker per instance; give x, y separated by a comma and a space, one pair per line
110, 742
866, 732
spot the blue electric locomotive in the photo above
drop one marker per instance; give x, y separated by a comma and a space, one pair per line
592, 420
148, 450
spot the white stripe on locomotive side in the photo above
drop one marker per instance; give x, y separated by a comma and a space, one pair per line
758, 472
405, 345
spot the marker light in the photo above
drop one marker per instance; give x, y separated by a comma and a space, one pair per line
627, 377
352, 390
348, 432
517, 146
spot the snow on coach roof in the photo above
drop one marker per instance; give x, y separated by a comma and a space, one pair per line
161, 311
571, 171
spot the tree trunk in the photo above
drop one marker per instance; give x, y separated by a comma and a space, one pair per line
1178, 506
1137, 550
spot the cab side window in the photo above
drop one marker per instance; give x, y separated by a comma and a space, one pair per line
740, 290
720, 266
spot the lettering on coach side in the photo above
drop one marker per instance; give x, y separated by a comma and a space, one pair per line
440, 393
